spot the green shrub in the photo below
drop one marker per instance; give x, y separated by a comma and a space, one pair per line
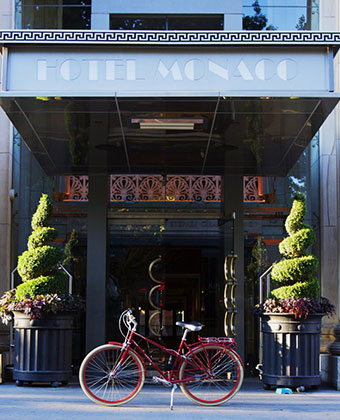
41, 236
297, 243
296, 217
295, 272
38, 266
55, 283
309, 288
38, 262
294, 269
43, 212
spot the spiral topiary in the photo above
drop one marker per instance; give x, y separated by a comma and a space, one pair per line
38, 266
295, 272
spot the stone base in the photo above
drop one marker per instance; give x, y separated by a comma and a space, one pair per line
330, 370
3, 363
2, 373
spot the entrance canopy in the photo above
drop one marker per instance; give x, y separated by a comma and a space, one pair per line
225, 105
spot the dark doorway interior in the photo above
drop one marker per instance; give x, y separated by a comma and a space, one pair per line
165, 284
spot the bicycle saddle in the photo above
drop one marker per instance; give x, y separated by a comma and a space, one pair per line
191, 326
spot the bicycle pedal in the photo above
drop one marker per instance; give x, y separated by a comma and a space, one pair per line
162, 381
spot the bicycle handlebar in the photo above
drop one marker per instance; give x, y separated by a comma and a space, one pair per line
129, 320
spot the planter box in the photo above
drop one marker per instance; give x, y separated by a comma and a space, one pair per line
291, 350
42, 348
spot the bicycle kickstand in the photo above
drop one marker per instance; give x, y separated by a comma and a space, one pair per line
174, 387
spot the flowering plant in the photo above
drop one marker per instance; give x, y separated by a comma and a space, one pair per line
299, 307
37, 306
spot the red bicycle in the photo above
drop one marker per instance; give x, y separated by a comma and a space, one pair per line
209, 372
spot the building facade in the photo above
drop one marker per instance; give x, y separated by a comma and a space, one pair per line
171, 138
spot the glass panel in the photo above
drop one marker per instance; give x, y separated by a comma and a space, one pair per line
257, 136
145, 23
196, 23
56, 14
264, 229
280, 14
161, 22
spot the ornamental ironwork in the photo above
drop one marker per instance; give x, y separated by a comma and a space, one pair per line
178, 188
78, 188
251, 190
169, 188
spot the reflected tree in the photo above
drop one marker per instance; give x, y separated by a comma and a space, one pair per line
302, 24
258, 21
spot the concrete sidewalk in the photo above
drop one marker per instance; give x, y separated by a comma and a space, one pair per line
252, 402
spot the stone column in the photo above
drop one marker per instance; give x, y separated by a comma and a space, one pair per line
6, 22
97, 234
330, 214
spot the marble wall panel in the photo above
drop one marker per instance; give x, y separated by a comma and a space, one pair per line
5, 168
6, 14
5, 137
4, 258
328, 14
328, 192
328, 136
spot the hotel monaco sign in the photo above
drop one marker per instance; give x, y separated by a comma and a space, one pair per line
189, 71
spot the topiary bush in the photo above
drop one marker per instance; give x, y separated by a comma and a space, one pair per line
38, 266
295, 273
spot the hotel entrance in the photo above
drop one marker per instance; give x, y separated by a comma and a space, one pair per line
168, 272
149, 124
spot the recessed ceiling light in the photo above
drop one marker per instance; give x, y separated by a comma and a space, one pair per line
167, 123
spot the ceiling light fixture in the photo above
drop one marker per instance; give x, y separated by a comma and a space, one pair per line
167, 123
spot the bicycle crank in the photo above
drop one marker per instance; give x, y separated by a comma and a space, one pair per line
157, 380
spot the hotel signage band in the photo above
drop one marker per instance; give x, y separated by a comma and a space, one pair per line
157, 71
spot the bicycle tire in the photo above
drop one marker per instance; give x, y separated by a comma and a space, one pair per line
97, 382
226, 371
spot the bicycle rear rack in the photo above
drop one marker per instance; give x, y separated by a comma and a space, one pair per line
218, 340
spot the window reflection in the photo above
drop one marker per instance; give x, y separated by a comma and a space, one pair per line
165, 23
280, 14
56, 14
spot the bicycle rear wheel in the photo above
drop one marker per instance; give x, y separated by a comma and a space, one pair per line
212, 375
108, 381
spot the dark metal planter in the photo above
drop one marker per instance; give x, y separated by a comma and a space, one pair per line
291, 350
42, 348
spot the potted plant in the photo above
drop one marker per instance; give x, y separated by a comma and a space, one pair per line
41, 308
291, 317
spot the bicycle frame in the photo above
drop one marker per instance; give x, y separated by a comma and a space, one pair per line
171, 375
209, 371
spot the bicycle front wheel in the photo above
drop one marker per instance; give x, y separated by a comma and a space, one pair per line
211, 375
107, 379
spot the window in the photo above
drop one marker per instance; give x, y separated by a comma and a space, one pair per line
280, 14
164, 23
54, 14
